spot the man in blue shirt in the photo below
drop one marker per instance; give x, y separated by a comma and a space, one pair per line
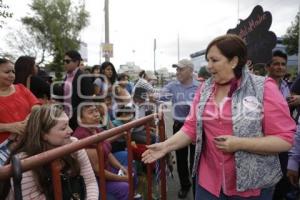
181, 92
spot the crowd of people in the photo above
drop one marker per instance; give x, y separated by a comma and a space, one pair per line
34, 120
235, 133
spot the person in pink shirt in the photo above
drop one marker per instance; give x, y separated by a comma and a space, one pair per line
239, 122
75, 88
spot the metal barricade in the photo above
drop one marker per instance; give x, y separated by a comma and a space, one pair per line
52, 156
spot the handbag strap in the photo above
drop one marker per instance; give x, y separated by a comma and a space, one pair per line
67, 178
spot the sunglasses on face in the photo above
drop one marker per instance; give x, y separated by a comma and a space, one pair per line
67, 61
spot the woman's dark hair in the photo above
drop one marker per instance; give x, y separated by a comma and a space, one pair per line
74, 55
231, 45
95, 67
4, 60
142, 74
122, 76
24, 66
93, 70
114, 76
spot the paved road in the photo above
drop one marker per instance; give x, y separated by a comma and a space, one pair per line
172, 184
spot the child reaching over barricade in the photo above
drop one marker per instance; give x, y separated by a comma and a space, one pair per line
124, 114
116, 173
142, 108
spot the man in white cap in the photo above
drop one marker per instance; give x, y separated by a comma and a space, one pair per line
181, 92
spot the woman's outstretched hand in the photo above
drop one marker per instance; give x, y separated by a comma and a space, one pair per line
154, 152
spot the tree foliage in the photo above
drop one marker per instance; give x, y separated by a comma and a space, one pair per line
23, 43
57, 25
4, 13
291, 38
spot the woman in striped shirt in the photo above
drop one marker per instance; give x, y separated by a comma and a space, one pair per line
48, 128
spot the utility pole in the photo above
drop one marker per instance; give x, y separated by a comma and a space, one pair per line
178, 48
238, 11
154, 52
106, 11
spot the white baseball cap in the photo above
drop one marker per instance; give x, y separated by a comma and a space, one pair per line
184, 63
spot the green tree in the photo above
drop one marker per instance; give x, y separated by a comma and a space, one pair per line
4, 13
291, 38
57, 24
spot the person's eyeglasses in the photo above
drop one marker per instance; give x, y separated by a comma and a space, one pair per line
67, 61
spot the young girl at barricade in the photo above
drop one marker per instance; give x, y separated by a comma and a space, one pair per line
116, 185
124, 114
48, 128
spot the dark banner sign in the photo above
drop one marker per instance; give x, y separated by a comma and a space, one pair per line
255, 32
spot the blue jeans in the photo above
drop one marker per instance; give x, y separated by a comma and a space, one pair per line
202, 194
122, 157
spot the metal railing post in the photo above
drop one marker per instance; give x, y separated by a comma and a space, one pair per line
101, 173
17, 177
162, 161
56, 180
130, 165
149, 168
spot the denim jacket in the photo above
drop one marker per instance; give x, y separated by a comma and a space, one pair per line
253, 171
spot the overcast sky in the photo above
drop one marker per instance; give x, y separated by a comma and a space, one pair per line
135, 23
